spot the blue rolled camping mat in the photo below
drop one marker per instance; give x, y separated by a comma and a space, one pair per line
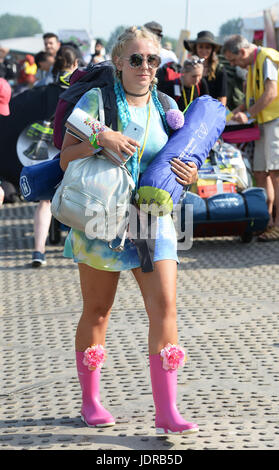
204, 122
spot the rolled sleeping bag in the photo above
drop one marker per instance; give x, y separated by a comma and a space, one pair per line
199, 208
256, 200
226, 206
204, 122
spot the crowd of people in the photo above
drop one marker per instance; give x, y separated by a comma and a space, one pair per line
205, 71
141, 68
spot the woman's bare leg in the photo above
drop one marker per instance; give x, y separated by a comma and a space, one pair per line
158, 289
98, 291
263, 180
159, 292
42, 221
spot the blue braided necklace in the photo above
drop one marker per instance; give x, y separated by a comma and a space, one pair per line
125, 117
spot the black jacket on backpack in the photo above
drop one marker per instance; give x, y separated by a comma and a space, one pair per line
101, 76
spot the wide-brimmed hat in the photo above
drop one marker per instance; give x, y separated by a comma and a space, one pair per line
202, 37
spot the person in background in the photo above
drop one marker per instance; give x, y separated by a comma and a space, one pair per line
8, 66
189, 86
236, 79
5, 96
65, 63
262, 104
98, 54
166, 55
52, 46
206, 47
52, 43
168, 45
27, 73
45, 61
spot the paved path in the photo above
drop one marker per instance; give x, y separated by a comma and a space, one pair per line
228, 309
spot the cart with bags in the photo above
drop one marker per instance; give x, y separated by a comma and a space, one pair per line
224, 200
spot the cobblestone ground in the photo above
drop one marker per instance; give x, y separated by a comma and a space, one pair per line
228, 312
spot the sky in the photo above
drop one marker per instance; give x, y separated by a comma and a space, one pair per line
103, 16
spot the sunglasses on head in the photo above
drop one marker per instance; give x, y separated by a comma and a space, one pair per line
194, 61
136, 60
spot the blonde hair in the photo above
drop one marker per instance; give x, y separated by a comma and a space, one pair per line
130, 34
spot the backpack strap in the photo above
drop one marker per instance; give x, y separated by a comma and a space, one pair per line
110, 107
164, 100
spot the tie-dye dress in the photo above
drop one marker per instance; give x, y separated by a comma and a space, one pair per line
96, 253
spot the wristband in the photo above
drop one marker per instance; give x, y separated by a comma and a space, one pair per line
97, 137
93, 141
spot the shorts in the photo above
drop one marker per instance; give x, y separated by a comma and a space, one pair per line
266, 153
98, 255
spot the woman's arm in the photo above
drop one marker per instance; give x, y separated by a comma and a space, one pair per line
187, 172
223, 100
72, 149
222, 85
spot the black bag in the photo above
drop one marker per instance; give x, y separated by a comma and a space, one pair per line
101, 76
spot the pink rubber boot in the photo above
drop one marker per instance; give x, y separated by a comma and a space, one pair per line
92, 412
164, 387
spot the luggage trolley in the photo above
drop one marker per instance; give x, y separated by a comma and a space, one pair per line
225, 202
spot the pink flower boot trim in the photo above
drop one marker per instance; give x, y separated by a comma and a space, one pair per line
173, 356
164, 388
94, 357
93, 414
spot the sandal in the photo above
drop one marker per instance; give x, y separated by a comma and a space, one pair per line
271, 234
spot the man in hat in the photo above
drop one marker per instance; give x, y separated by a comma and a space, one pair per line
262, 104
98, 55
165, 54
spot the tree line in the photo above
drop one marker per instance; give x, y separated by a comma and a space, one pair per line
13, 26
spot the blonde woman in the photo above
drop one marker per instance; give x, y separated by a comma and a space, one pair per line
136, 59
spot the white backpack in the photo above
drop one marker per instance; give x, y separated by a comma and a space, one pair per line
94, 196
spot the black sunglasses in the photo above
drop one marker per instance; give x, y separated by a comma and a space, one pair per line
136, 60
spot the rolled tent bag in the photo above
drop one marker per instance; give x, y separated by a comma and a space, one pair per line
204, 122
